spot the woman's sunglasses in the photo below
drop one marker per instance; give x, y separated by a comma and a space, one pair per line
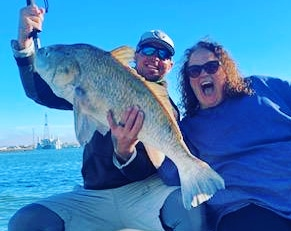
149, 51
210, 67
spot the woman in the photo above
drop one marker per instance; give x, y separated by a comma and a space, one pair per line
242, 128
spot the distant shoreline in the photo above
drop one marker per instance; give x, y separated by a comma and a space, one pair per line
13, 149
30, 148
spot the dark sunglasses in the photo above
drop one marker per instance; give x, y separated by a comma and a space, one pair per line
210, 67
149, 51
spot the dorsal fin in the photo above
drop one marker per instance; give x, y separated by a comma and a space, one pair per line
123, 54
161, 95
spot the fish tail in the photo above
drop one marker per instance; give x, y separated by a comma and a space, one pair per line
199, 184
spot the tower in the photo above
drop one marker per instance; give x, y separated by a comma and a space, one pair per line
46, 134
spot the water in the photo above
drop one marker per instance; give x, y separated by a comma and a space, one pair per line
27, 176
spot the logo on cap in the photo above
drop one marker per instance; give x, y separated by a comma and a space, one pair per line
157, 36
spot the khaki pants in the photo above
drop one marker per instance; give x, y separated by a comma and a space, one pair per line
133, 206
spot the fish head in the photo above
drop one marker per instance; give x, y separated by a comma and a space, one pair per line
59, 68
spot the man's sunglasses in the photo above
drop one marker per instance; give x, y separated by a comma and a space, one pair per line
210, 67
159, 52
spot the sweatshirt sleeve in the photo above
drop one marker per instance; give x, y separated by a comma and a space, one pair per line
139, 167
168, 172
34, 86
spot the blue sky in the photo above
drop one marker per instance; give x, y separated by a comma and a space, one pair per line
256, 33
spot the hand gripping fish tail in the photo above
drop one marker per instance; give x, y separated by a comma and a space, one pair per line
96, 81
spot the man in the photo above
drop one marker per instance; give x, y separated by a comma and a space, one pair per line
122, 188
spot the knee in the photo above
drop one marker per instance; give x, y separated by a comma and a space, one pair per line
176, 217
35, 217
22, 218
198, 218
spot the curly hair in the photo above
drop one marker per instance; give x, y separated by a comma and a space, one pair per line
235, 84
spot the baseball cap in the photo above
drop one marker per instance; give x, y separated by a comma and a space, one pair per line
157, 36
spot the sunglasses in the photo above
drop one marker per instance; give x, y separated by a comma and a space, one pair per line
210, 67
149, 51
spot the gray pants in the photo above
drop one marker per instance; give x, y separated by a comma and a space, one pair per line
136, 206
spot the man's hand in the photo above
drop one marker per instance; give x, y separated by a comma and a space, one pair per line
125, 133
31, 17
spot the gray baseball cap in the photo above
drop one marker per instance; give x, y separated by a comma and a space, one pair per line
157, 36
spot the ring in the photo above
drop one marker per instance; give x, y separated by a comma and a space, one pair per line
121, 124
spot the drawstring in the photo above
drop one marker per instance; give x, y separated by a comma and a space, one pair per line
46, 5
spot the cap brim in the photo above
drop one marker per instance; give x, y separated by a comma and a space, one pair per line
164, 44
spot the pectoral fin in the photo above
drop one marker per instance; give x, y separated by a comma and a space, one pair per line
85, 125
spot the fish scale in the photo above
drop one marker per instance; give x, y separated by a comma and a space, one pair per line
96, 81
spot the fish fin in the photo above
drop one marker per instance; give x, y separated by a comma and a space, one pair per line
161, 95
85, 125
199, 182
123, 54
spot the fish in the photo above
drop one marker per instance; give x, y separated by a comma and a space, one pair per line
96, 81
